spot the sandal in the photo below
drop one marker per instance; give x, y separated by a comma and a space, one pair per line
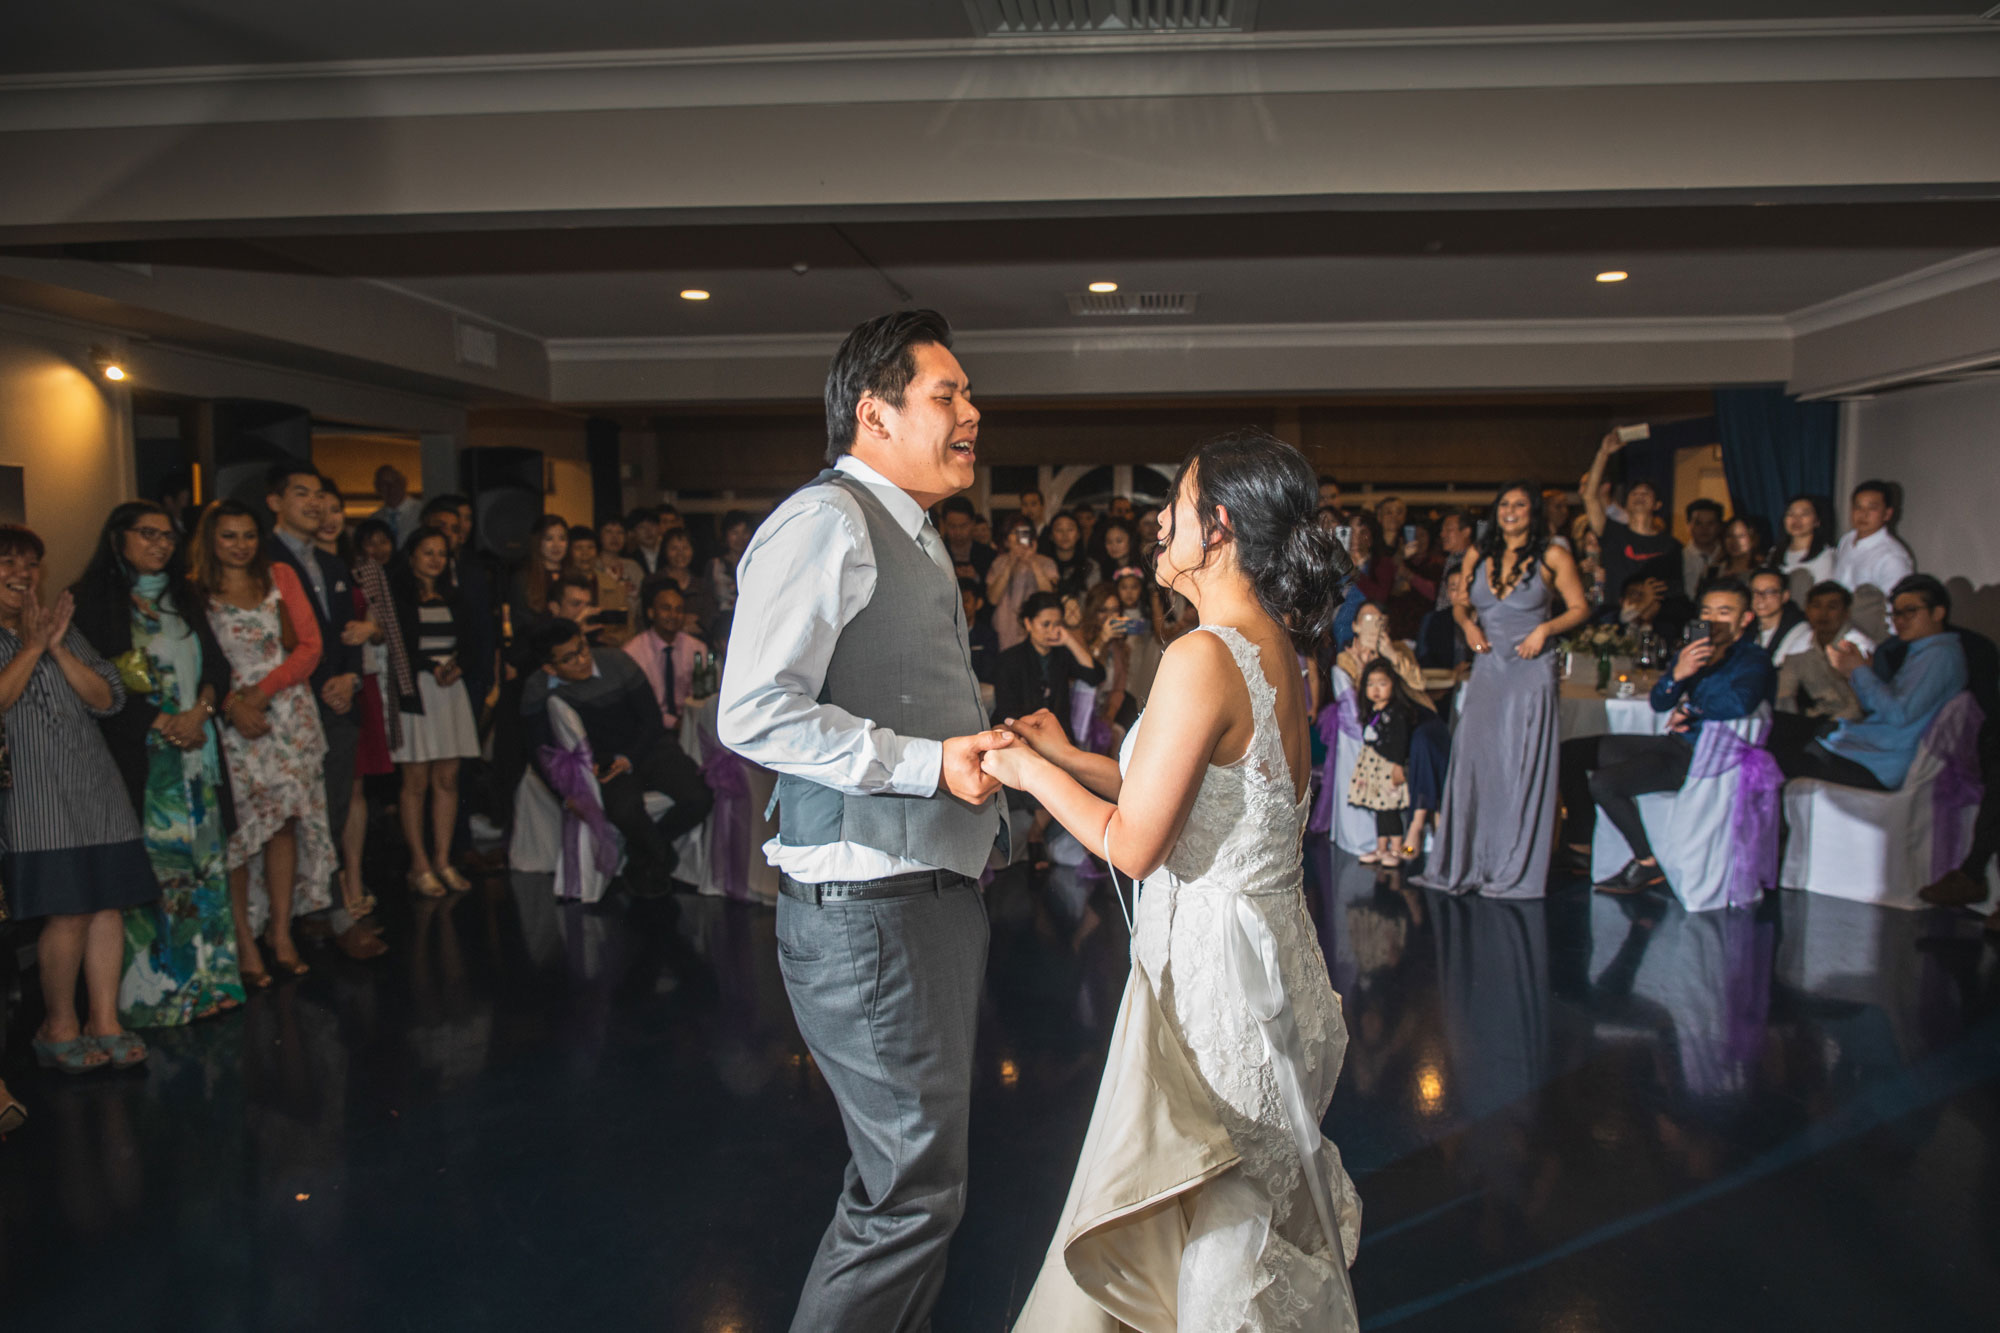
1389, 861
72, 1056
125, 1050
12, 1114
454, 881
1370, 858
426, 883
287, 971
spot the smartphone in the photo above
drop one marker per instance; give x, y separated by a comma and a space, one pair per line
1716, 629
1135, 625
1632, 434
1409, 534
1344, 535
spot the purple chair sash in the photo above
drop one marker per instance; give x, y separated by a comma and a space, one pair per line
728, 776
1337, 719
1753, 822
572, 776
1954, 738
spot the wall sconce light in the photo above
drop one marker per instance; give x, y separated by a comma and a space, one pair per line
108, 365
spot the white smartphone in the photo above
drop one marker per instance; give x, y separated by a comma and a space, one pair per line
1628, 434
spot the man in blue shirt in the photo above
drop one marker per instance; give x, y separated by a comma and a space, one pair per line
1722, 676
1875, 751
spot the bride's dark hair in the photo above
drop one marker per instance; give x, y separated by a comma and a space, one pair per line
1271, 494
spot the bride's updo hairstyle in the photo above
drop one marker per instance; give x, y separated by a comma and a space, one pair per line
1271, 494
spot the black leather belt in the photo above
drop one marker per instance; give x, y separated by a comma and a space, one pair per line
868, 890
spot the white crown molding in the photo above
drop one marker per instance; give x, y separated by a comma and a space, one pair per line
1925, 284
1415, 333
1013, 69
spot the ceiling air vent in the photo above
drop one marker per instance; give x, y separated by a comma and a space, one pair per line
1131, 303
1046, 18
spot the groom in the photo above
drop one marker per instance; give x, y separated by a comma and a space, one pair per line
850, 676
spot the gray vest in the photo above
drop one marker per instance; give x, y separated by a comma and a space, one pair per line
903, 663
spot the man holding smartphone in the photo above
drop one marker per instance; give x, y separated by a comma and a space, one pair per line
1719, 676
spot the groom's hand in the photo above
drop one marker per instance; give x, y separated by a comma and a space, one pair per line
961, 774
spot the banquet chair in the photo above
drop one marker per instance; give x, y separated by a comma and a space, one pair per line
541, 828
1717, 837
1883, 846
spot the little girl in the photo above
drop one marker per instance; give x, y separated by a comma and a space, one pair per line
1380, 783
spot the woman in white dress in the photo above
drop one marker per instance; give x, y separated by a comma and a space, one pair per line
1206, 1197
437, 723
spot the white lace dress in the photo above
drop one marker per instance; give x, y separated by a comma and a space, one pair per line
1193, 1209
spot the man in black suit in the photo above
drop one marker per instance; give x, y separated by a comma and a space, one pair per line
298, 499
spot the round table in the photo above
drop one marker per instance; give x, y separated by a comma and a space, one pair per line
1585, 712
698, 865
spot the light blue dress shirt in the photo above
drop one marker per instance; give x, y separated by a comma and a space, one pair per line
1884, 739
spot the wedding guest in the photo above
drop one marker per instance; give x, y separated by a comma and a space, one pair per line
1427, 755
175, 496
1807, 683
534, 583
1556, 513
1638, 539
1018, 573
357, 940
666, 652
1966, 884
1746, 546
1115, 546
671, 520
1147, 634
612, 540
1646, 603
629, 746
1589, 552
1874, 752
437, 724
1392, 515
385, 678
969, 558
642, 528
982, 530
1421, 554
1781, 629
1808, 550
400, 511
134, 606
1704, 549
1037, 672
614, 608
574, 597
678, 565
1062, 542
75, 859
1373, 641
1111, 631
1086, 523
736, 529
1329, 492
1441, 641
983, 640
275, 749
1719, 677
1381, 779
472, 575
1869, 560
1147, 527
1499, 811
1454, 540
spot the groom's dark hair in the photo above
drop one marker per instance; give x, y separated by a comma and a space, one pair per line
876, 360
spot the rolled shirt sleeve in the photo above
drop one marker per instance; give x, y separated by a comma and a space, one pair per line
807, 573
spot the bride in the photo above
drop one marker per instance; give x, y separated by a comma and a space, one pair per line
1206, 1198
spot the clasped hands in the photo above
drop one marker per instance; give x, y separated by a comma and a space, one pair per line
977, 766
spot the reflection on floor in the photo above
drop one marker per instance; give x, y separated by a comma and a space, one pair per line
1581, 1114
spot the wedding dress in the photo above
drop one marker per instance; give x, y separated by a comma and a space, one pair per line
1206, 1200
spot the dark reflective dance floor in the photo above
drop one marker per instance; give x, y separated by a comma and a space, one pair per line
1575, 1115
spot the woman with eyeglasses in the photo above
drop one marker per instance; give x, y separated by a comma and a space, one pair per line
134, 605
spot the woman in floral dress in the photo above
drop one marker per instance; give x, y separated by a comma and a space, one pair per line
264, 620
134, 605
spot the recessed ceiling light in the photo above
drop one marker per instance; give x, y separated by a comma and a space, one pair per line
1104, 286
1613, 275
694, 294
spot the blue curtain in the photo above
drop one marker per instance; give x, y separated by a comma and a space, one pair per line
1773, 448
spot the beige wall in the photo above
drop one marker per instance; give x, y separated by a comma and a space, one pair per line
68, 435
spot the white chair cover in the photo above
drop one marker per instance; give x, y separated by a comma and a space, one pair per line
1882, 846
1353, 828
1695, 831
539, 826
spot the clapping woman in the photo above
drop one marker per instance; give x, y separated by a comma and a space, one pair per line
134, 604
74, 856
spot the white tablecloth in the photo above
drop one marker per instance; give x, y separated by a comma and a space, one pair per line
1585, 712
696, 849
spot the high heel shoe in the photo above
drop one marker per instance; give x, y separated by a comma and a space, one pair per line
287, 970
454, 881
426, 883
12, 1114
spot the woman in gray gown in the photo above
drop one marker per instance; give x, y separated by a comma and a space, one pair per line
1499, 816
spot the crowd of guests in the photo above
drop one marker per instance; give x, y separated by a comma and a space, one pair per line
190, 728
1851, 648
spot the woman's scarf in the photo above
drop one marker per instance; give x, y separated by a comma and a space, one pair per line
374, 586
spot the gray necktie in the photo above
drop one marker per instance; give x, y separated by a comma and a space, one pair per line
933, 544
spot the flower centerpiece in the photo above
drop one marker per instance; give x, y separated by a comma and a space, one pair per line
1604, 642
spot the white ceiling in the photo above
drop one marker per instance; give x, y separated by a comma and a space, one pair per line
42, 37
1260, 291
